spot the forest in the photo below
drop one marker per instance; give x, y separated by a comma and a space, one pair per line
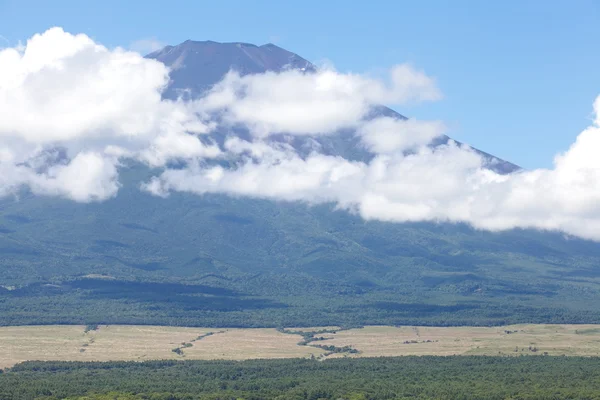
288, 302
461, 377
219, 261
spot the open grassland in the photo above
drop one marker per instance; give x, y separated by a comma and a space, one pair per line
374, 341
139, 343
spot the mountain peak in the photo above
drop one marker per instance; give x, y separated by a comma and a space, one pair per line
198, 43
197, 65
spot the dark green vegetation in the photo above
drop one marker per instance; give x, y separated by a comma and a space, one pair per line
222, 261
527, 377
312, 338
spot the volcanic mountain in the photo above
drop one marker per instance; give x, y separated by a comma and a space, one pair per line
217, 260
197, 66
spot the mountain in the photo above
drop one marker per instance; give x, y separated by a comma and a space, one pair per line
216, 260
197, 66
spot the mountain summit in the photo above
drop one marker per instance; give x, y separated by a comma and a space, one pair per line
198, 65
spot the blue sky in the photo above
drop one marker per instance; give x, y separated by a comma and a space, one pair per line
519, 77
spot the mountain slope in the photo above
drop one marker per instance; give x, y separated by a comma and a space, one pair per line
218, 260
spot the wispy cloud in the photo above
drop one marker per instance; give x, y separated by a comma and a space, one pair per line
275, 39
145, 46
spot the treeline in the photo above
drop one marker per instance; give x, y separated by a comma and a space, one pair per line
527, 377
98, 302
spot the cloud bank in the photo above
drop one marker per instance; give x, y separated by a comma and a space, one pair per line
312, 104
65, 91
72, 111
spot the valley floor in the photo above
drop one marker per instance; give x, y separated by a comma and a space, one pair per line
140, 343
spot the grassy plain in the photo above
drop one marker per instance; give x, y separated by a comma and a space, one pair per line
513, 340
139, 343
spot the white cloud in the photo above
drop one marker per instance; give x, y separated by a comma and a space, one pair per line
173, 145
448, 183
310, 104
63, 87
64, 90
289, 177
71, 110
88, 177
427, 180
390, 135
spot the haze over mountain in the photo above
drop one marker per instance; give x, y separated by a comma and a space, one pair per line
223, 249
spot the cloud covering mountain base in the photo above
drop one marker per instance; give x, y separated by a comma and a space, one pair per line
72, 112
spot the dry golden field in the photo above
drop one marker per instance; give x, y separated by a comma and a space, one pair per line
375, 341
138, 343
